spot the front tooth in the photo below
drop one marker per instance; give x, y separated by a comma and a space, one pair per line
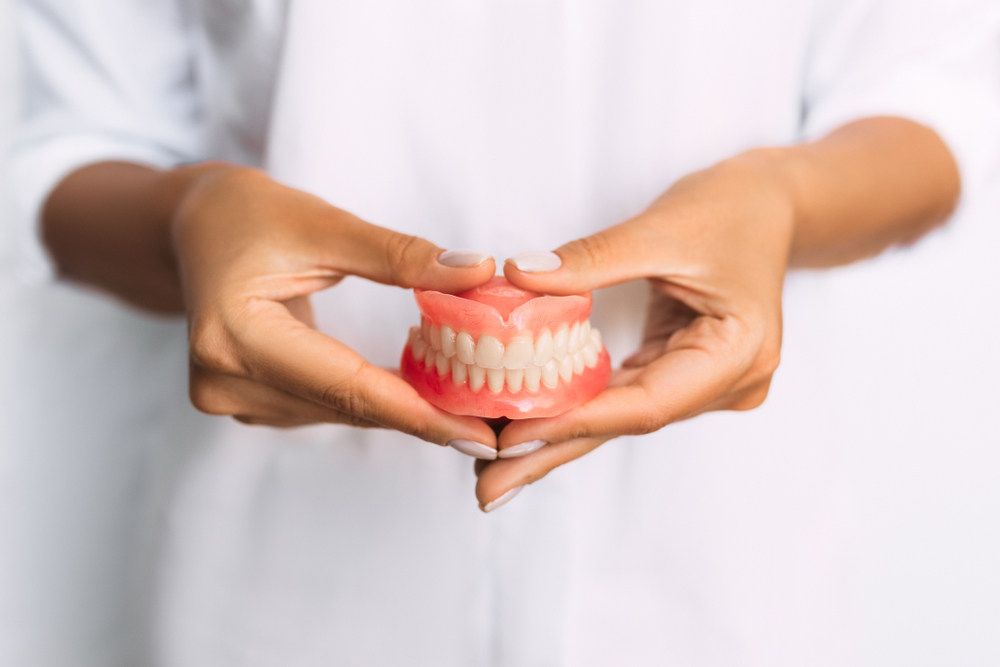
566, 368
442, 364
419, 349
585, 333
459, 372
590, 354
494, 379
518, 353
477, 378
447, 340
543, 348
489, 352
559, 342
550, 374
578, 364
574, 337
435, 339
465, 347
532, 376
515, 377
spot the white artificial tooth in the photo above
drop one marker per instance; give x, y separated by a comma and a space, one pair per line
566, 368
477, 377
532, 376
559, 342
495, 378
435, 339
550, 374
447, 341
518, 353
543, 348
578, 364
465, 348
574, 337
443, 364
489, 352
413, 335
595, 337
515, 377
590, 352
425, 330
419, 349
584, 333
459, 372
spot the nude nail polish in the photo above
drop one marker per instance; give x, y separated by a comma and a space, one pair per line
462, 258
502, 500
521, 449
536, 262
474, 449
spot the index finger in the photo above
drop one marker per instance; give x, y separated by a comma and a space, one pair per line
289, 355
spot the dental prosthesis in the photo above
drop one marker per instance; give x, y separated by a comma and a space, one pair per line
500, 351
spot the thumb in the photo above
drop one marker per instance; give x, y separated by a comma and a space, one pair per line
614, 255
392, 258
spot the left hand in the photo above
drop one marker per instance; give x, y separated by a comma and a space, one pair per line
714, 248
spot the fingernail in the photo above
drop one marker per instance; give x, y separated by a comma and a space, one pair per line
474, 449
502, 500
521, 449
536, 261
462, 258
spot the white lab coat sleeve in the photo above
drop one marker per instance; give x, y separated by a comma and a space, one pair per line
936, 62
101, 80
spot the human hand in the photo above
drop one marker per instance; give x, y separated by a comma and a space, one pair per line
250, 251
714, 249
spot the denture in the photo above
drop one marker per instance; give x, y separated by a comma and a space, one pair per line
500, 351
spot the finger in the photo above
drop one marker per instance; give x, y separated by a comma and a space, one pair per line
706, 363
628, 251
306, 363
392, 258
253, 403
505, 476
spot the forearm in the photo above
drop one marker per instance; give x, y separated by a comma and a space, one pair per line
867, 186
108, 225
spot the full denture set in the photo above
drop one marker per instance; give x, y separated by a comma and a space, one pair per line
500, 351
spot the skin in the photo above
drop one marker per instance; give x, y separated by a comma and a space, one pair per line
240, 253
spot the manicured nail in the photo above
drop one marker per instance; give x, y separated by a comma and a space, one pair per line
462, 258
502, 500
474, 449
521, 449
533, 262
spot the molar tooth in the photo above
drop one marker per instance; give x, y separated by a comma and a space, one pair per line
442, 364
489, 352
595, 336
559, 342
447, 340
532, 376
515, 377
465, 347
495, 378
518, 353
574, 337
550, 374
566, 368
477, 377
419, 348
590, 352
425, 329
435, 339
459, 372
578, 364
543, 348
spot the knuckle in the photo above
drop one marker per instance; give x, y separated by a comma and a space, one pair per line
593, 249
212, 349
209, 398
405, 254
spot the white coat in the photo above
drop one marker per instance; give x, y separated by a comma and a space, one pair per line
734, 539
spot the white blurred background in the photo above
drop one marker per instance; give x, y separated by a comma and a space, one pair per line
925, 505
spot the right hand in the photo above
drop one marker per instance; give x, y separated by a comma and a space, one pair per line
250, 251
